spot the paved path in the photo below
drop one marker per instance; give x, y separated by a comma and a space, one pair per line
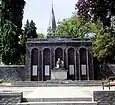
55, 92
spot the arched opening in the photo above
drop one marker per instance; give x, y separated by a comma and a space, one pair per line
58, 54
46, 64
34, 65
71, 64
83, 64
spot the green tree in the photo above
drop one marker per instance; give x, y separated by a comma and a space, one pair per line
11, 22
73, 26
33, 30
103, 39
96, 10
10, 49
40, 35
104, 47
28, 32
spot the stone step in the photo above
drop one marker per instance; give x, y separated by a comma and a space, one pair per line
56, 99
60, 103
55, 83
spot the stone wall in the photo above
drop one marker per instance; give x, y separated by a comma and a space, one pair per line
102, 72
112, 68
104, 97
10, 98
12, 72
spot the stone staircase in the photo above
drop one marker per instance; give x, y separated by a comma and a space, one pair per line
57, 101
55, 89
61, 92
56, 93
56, 83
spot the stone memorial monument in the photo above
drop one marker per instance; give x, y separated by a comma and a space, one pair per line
59, 72
59, 57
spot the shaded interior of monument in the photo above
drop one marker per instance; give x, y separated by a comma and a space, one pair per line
43, 54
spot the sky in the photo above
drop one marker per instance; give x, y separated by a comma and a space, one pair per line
40, 12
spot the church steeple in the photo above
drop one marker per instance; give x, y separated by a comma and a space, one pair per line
52, 22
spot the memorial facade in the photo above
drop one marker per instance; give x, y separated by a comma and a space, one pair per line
74, 54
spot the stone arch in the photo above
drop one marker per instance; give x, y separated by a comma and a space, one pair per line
46, 56
82, 52
34, 64
46, 63
71, 63
58, 54
70, 48
83, 63
66, 55
71, 55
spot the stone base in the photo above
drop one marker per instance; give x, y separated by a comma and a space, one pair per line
59, 74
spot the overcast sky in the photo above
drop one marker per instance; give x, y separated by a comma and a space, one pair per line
40, 12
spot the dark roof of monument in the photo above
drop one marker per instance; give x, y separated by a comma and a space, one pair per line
52, 39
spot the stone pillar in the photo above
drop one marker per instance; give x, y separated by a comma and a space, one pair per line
38, 65
28, 64
75, 68
87, 57
63, 54
50, 63
54, 57
67, 60
91, 65
42, 65
79, 65
30, 72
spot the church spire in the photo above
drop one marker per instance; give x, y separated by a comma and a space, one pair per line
52, 22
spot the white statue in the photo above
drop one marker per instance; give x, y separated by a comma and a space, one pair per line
58, 63
62, 64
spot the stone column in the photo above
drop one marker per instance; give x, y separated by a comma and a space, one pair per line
28, 64
50, 63
75, 68
67, 59
30, 72
87, 56
42, 64
79, 65
63, 54
38, 65
54, 57
91, 65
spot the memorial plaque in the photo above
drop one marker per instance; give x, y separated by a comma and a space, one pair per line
46, 69
83, 69
71, 69
34, 73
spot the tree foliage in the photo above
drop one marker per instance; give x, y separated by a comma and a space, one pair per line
100, 13
103, 40
11, 22
73, 26
40, 35
104, 46
28, 32
96, 9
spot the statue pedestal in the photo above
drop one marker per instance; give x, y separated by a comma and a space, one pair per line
59, 74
